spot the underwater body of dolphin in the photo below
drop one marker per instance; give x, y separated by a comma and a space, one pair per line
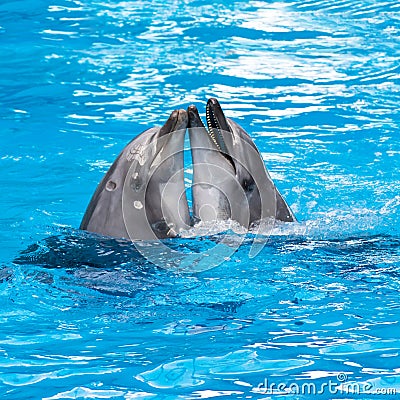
142, 196
229, 177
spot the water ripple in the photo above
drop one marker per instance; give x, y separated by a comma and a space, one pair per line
315, 83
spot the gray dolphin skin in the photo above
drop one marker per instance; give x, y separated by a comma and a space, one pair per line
142, 196
229, 176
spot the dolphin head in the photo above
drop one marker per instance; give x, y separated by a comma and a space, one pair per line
142, 196
229, 174
211, 173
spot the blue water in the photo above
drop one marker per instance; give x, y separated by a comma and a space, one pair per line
316, 84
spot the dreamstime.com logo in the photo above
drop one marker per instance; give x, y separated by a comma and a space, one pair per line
154, 198
341, 385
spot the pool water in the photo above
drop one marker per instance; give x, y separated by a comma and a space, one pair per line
316, 84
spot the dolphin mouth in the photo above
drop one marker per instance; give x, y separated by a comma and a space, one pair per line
216, 124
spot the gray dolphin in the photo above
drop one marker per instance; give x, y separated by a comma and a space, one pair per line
142, 196
229, 175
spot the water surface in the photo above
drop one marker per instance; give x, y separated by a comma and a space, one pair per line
316, 84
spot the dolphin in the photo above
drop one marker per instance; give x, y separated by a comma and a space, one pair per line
230, 180
142, 196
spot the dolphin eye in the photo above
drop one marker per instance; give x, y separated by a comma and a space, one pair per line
249, 185
160, 227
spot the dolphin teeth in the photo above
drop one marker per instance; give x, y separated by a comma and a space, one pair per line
215, 132
211, 130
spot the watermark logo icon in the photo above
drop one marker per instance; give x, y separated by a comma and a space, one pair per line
341, 385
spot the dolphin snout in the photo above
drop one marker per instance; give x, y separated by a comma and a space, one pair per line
178, 120
194, 117
181, 121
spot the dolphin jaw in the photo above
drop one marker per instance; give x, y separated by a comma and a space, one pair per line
214, 129
217, 123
